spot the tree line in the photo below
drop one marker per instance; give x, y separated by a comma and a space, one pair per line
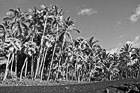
39, 44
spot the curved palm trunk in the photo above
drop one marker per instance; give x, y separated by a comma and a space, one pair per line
26, 69
25, 61
6, 69
42, 40
45, 51
12, 61
44, 59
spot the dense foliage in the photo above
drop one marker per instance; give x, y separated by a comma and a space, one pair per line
38, 44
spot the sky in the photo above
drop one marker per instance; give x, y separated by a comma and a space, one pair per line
112, 22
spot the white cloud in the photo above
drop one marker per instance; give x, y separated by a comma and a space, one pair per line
135, 43
122, 36
116, 49
119, 23
136, 16
87, 11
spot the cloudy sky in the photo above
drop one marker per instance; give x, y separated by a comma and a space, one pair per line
112, 22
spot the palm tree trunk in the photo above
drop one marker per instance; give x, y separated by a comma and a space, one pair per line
12, 61
79, 75
58, 68
138, 74
76, 71
44, 59
45, 50
42, 40
32, 67
64, 39
32, 61
25, 61
37, 66
16, 64
42, 71
50, 68
67, 73
6, 69
26, 69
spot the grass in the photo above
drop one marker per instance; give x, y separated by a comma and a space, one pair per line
29, 86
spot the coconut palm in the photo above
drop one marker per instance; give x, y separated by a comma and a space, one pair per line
126, 49
57, 23
15, 22
134, 63
12, 46
91, 44
124, 59
14, 27
49, 40
65, 31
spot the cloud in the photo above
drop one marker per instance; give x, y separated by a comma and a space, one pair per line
116, 49
136, 16
119, 23
122, 36
135, 43
87, 11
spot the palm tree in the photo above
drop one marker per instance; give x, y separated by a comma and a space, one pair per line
13, 45
135, 61
29, 49
57, 23
126, 49
125, 58
91, 44
17, 24
49, 40
42, 37
14, 27
65, 31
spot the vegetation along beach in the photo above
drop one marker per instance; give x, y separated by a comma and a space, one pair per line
39, 54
